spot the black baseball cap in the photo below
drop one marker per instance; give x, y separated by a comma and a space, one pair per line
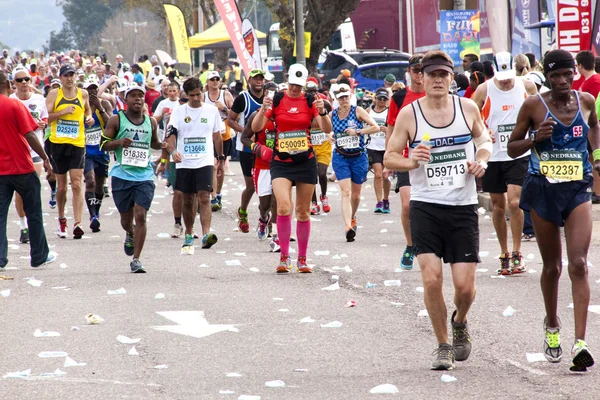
415, 61
66, 69
382, 92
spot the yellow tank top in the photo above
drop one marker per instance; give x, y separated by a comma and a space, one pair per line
69, 128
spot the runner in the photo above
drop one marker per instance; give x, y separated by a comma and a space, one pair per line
376, 150
96, 160
350, 161
131, 135
68, 107
223, 101
443, 212
293, 160
557, 191
36, 105
401, 99
500, 100
243, 106
263, 144
193, 129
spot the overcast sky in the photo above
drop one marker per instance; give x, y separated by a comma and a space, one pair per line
27, 24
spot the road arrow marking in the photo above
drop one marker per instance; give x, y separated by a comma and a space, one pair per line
192, 323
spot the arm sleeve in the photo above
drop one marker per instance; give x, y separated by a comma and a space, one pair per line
238, 104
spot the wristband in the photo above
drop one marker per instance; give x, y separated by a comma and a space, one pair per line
596, 155
324, 114
163, 160
483, 164
252, 146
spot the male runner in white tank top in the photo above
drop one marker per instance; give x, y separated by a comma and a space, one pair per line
500, 100
443, 207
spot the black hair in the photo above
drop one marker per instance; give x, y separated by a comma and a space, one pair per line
532, 60
477, 77
461, 81
471, 57
476, 66
597, 64
204, 65
488, 69
586, 59
558, 57
145, 57
345, 80
326, 85
191, 84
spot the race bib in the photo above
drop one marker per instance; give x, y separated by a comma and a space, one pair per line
317, 137
292, 142
136, 155
67, 129
561, 165
379, 121
446, 170
346, 141
194, 148
92, 135
270, 139
504, 132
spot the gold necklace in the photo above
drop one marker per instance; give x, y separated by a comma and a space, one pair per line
189, 119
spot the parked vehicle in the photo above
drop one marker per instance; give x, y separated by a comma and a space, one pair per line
370, 76
336, 61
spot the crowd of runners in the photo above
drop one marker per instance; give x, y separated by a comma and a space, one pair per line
526, 132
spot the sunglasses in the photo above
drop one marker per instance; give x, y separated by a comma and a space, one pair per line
215, 79
382, 98
416, 70
21, 80
182, 101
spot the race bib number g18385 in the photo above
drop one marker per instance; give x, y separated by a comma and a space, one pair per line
561, 165
292, 142
504, 132
447, 170
317, 137
67, 129
136, 155
194, 148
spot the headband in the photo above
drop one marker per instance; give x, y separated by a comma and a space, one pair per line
553, 66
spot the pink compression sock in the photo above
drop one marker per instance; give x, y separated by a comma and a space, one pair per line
284, 231
303, 232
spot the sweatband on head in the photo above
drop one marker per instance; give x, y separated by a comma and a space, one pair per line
553, 66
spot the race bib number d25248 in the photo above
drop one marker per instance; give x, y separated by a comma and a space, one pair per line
447, 170
67, 129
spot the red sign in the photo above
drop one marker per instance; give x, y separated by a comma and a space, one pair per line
574, 25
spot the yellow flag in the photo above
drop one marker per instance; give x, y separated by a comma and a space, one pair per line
307, 37
180, 36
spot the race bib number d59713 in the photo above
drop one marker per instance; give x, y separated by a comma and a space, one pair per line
561, 165
447, 170
292, 142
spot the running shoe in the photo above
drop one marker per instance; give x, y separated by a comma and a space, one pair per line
315, 209
49, 259
137, 267
325, 204
215, 204
285, 264
517, 264
461, 340
262, 229
24, 238
528, 237
552, 349
275, 244
195, 234
77, 231
52, 201
128, 244
95, 224
302, 267
188, 245
177, 231
504, 264
353, 224
106, 191
209, 240
378, 208
243, 224
386, 206
350, 234
406, 262
582, 357
61, 232
444, 358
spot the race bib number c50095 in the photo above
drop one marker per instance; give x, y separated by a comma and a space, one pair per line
561, 165
447, 170
292, 142
136, 155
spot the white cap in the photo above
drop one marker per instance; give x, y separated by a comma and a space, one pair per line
503, 64
122, 85
55, 82
269, 76
212, 74
297, 75
536, 77
342, 90
134, 87
91, 80
20, 68
283, 86
80, 72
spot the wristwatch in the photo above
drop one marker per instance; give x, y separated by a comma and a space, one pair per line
102, 111
532, 135
221, 158
324, 114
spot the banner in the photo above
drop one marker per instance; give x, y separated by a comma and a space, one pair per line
233, 23
251, 43
180, 36
459, 33
596, 31
307, 38
573, 25
526, 40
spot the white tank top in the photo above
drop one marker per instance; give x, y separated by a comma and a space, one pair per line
377, 140
445, 179
223, 114
500, 112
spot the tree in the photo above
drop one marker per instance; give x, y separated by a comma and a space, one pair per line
321, 19
60, 41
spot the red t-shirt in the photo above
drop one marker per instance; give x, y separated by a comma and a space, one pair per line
293, 114
394, 110
15, 122
592, 85
265, 137
468, 92
577, 83
149, 98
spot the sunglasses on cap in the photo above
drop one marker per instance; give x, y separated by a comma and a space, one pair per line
21, 80
214, 79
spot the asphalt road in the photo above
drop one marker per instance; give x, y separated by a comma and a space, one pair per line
227, 330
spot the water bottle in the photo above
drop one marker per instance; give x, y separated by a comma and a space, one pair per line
426, 141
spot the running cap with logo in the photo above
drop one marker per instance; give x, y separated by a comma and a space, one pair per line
297, 74
212, 74
132, 88
437, 63
256, 72
55, 82
66, 69
283, 86
80, 72
20, 68
91, 80
122, 85
503, 64
342, 91
382, 93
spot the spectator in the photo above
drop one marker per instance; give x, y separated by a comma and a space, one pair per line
488, 69
522, 65
468, 59
476, 79
462, 83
